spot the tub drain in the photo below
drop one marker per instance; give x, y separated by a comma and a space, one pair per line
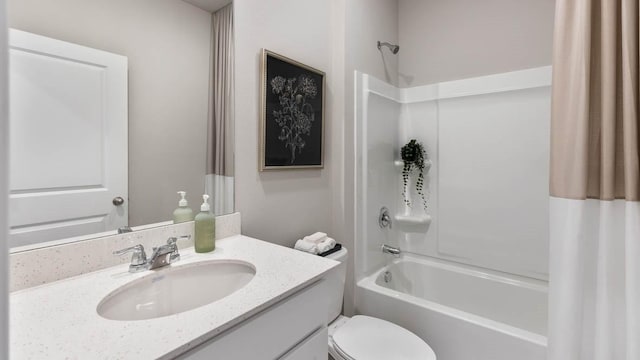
387, 276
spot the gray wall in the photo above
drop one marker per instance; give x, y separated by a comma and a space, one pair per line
284, 205
167, 43
335, 36
367, 21
455, 39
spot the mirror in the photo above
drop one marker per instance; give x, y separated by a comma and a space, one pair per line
83, 70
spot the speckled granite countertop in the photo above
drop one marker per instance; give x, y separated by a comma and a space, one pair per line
59, 320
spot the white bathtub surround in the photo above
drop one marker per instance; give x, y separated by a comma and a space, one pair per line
461, 311
486, 138
32, 266
413, 220
59, 320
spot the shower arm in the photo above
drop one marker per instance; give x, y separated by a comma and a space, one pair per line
394, 48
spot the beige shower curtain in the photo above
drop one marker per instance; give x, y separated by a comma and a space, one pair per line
219, 180
594, 287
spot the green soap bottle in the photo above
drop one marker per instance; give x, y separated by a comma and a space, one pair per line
183, 213
205, 228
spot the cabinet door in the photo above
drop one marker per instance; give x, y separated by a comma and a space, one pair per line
315, 347
272, 333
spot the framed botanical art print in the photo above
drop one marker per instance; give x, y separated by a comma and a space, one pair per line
292, 123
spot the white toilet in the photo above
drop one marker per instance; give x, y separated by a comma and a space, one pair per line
365, 337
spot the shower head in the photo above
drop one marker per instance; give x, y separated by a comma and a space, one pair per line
394, 48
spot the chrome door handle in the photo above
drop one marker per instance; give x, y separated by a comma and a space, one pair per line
117, 201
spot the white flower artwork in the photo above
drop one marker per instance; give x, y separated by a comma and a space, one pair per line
292, 116
296, 114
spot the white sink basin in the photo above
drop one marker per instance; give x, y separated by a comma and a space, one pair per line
176, 289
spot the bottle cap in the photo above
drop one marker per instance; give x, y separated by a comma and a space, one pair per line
205, 204
183, 201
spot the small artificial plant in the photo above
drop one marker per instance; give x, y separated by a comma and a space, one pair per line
413, 155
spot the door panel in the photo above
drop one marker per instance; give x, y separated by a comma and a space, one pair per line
68, 151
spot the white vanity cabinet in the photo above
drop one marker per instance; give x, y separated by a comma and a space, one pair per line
295, 328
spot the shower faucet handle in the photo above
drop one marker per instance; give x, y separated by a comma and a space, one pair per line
384, 219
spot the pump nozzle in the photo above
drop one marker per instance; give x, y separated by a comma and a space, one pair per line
183, 201
205, 203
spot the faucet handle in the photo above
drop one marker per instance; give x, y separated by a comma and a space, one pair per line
138, 258
175, 255
174, 239
384, 219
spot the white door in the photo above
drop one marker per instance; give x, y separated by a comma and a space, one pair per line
68, 139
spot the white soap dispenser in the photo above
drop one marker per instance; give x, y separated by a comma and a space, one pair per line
183, 213
205, 228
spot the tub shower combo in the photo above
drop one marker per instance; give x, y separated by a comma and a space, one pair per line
468, 271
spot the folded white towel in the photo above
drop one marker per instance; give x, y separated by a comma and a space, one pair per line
315, 238
326, 245
306, 246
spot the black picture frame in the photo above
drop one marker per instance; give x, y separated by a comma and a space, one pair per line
292, 121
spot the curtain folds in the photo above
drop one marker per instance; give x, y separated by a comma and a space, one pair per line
219, 181
594, 135
594, 287
594, 273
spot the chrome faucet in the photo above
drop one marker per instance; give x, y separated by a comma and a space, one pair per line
138, 258
161, 256
390, 250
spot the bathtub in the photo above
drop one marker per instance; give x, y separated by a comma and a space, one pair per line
462, 312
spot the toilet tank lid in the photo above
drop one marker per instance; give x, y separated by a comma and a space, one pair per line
340, 255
